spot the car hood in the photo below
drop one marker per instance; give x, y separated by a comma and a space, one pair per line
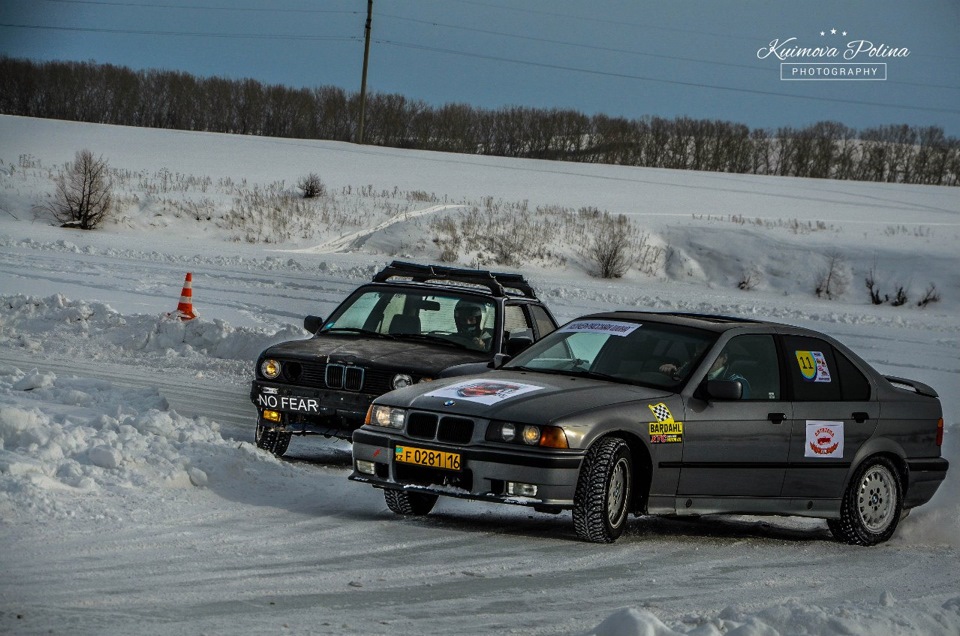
407, 355
537, 397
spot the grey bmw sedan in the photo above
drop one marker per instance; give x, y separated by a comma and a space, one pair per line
665, 414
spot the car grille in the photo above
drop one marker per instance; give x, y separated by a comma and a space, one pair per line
340, 377
455, 430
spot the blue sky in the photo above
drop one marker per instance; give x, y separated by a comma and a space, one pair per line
696, 58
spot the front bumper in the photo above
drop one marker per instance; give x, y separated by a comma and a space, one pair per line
310, 411
485, 470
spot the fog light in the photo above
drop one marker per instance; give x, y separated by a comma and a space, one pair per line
272, 416
518, 489
367, 468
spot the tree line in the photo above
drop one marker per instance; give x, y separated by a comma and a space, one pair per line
108, 94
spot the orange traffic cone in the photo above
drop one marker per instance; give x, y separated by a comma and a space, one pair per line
185, 306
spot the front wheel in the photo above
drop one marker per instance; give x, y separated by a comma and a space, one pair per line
275, 442
409, 503
601, 503
872, 505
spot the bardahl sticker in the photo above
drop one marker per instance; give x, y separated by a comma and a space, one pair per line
665, 430
813, 366
609, 327
824, 439
484, 391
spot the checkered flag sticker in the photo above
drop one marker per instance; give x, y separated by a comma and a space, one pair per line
661, 412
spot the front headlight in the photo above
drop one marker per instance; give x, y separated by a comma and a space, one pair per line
529, 434
386, 416
401, 380
270, 368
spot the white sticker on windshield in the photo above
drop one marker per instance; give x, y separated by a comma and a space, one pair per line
609, 327
483, 391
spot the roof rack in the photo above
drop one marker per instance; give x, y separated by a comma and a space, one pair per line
499, 284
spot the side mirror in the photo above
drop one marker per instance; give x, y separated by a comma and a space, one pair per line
312, 323
499, 359
724, 389
516, 344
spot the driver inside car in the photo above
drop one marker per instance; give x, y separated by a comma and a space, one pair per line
469, 317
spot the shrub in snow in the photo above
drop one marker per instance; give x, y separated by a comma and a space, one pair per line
83, 195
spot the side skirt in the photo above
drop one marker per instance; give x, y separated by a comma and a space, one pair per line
695, 506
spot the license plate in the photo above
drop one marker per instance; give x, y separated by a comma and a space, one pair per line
288, 403
424, 457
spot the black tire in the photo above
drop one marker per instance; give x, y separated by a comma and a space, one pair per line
872, 505
409, 503
275, 442
601, 503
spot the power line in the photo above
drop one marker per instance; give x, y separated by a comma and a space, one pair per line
199, 7
666, 81
591, 47
606, 49
205, 34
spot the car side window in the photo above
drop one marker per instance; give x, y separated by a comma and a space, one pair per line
812, 369
515, 321
542, 320
853, 385
751, 360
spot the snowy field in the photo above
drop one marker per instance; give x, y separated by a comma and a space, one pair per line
132, 499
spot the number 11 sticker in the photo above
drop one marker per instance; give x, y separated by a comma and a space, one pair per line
813, 366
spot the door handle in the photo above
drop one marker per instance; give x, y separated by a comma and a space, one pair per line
860, 416
776, 418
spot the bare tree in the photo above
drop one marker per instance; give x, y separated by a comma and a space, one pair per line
610, 248
311, 186
832, 280
83, 198
930, 296
871, 282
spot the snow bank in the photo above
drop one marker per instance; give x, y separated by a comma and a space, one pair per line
867, 619
62, 439
55, 323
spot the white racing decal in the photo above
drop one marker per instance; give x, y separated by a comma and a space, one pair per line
824, 439
484, 391
289, 403
609, 327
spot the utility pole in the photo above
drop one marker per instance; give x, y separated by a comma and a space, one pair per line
363, 79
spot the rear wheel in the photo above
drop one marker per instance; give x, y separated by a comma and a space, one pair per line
872, 505
601, 503
275, 442
409, 503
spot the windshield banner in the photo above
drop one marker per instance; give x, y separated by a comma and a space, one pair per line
609, 327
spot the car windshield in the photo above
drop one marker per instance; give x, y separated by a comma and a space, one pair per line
449, 319
653, 354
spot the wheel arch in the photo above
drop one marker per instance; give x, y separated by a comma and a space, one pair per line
642, 469
880, 447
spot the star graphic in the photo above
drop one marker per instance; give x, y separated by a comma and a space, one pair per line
833, 31
844, 33
822, 34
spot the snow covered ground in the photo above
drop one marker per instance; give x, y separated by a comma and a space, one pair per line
132, 499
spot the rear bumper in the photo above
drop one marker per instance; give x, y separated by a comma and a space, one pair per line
485, 471
924, 478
